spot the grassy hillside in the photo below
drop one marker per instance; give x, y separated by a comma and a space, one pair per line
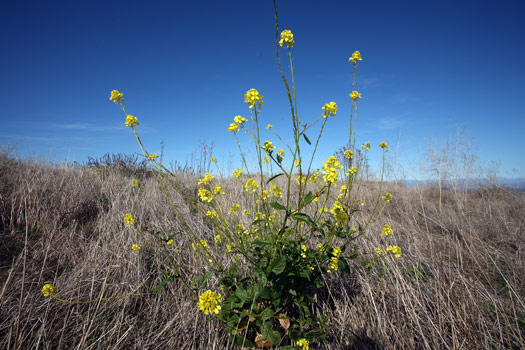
459, 284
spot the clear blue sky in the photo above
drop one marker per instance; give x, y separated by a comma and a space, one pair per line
184, 67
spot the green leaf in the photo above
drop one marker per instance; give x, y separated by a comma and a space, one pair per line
274, 177
304, 218
308, 198
278, 206
306, 139
171, 236
162, 284
270, 334
277, 266
204, 279
244, 342
260, 243
242, 294
164, 272
266, 314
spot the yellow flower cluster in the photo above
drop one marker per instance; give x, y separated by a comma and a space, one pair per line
237, 173
209, 302
387, 197
116, 96
170, 242
330, 169
212, 214
287, 38
131, 121
135, 247
334, 260
276, 191
269, 126
213, 160
252, 185
266, 159
366, 146
134, 183
379, 251
268, 146
49, 289
238, 122
303, 344
234, 209
205, 195
129, 219
384, 145
253, 98
201, 245
303, 253
339, 213
153, 156
330, 109
356, 56
218, 190
394, 249
206, 179
354, 95
387, 230
349, 154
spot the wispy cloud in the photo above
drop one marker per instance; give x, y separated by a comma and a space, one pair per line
389, 123
88, 127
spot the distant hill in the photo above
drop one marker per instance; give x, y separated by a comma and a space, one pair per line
517, 184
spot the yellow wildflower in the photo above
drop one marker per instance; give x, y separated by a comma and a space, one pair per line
330, 109
280, 152
253, 98
355, 95
233, 127
134, 183
303, 343
334, 260
366, 146
330, 169
205, 195
246, 212
49, 289
269, 126
153, 156
387, 230
135, 247
116, 96
384, 145
356, 56
217, 239
212, 214
213, 160
394, 249
237, 173
131, 121
320, 247
251, 184
297, 162
266, 159
276, 191
387, 197
170, 242
379, 251
349, 154
206, 179
287, 38
303, 248
201, 245
352, 170
234, 209
268, 146
129, 219
218, 190
209, 302
240, 120
264, 195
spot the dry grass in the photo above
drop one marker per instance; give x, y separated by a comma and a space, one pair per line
459, 285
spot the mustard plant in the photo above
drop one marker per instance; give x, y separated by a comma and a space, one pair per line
293, 235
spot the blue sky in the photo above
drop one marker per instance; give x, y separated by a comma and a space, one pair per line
429, 67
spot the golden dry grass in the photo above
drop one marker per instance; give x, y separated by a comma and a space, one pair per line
459, 285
